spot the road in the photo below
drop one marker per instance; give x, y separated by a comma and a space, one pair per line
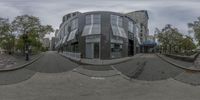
54, 77
52, 62
148, 67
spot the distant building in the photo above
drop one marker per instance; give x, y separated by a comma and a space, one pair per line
56, 38
53, 43
141, 17
150, 44
46, 43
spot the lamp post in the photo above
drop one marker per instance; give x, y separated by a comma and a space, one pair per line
26, 46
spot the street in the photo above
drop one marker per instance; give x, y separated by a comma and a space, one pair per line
54, 77
148, 67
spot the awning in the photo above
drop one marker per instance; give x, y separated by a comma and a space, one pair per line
92, 29
118, 31
72, 35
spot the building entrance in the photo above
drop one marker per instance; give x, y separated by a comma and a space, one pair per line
130, 48
92, 50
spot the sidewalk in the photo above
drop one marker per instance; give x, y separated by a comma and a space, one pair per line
100, 62
178, 63
8, 62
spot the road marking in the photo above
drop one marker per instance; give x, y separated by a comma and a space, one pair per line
98, 78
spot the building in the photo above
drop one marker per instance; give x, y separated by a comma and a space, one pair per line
46, 43
53, 43
141, 17
99, 35
150, 44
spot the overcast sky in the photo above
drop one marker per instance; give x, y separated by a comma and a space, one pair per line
161, 12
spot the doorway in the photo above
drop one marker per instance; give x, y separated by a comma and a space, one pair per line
92, 50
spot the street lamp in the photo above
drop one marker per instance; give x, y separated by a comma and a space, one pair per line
26, 46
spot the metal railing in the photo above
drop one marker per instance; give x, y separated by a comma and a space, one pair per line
72, 55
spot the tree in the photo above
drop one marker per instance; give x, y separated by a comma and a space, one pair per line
7, 39
45, 30
196, 28
31, 28
169, 39
187, 44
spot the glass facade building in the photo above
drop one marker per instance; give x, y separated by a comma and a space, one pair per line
99, 35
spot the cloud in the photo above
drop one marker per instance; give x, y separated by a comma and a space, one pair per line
161, 12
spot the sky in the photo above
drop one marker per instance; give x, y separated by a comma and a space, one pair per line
161, 12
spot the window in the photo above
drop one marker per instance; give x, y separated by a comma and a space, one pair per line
73, 29
116, 50
88, 20
96, 19
74, 24
116, 20
116, 47
93, 25
130, 26
72, 35
117, 26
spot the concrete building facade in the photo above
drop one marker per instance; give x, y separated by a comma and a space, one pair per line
53, 43
99, 35
141, 17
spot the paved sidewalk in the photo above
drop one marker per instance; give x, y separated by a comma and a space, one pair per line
8, 62
179, 62
101, 62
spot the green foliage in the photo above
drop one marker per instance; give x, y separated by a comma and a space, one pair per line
196, 28
35, 32
30, 29
7, 39
172, 41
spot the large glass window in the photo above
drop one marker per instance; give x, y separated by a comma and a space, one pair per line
137, 34
116, 50
74, 24
72, 35
117, 20
88, 20
96, 19
93, 25
73, 29
130, 26
117, 26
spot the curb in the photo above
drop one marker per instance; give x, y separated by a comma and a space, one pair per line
23, 65
103, 64
120, 73
177, 65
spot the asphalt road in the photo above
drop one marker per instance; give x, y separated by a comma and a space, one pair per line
38, 81
52, 62
148, 67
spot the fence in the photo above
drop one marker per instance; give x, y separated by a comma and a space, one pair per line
71, 55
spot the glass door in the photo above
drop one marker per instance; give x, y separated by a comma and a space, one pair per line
96, 50
92, 50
